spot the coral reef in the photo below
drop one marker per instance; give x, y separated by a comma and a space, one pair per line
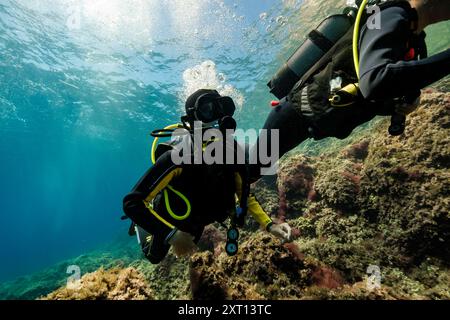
120, 253
114, 284
378, 202
382, 201
212, 239
374, 202
169, 280
295, 185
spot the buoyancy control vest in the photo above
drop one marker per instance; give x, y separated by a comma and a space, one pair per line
214, 202
207, 190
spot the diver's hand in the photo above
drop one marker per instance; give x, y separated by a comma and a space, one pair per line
282, 231
182, 244
407, 108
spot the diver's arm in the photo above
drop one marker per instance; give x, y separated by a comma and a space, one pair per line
384, 74
254, 208
258, 213
136, 204
399, 79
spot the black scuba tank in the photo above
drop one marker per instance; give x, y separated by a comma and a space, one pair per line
319, 42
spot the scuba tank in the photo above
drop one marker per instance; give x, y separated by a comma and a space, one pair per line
308, 59
319, 42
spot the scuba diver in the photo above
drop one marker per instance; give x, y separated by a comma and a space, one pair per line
173, 202
349, 70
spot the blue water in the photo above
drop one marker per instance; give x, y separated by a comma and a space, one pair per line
82, 83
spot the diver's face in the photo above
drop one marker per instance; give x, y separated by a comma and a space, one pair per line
208, 110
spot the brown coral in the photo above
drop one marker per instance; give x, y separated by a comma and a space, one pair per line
211, 239
114, 284
382, 200
358, 151
209, 282
295, 185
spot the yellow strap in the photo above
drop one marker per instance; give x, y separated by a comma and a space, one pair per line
166, 194
355, 59
164, 185
155, 142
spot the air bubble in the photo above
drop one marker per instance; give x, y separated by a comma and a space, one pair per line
281, 20
205, 76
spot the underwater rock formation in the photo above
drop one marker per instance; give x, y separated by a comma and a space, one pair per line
380, 203
263, 269
119, 254
169, 280
211, 239
114, 284
295, 185
373, 222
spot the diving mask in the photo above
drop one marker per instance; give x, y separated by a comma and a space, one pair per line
211, 107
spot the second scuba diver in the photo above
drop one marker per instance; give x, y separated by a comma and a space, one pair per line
173, 203
327, 91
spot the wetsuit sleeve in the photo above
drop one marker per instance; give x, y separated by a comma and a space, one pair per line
254, 208
137, 204
383, 72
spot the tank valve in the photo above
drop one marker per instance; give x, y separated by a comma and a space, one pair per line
275, 104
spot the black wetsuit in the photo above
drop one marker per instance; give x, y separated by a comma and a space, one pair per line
384, 75
383, 69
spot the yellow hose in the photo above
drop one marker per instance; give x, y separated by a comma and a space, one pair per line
183, 197
166, 194
356, 35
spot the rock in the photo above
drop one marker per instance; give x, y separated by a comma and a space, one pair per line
295, 185
381, 201
114, 284
211, 239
